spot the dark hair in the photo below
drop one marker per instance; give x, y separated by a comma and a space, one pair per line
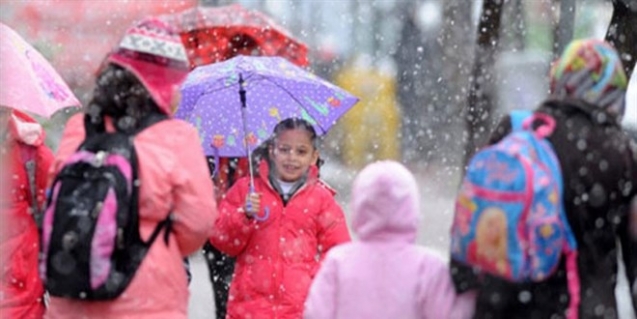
261, 151
120, 95
294, 123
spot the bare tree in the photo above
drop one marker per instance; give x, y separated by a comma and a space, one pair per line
563, 30
482, 89
455, 41
622, 32
514, 18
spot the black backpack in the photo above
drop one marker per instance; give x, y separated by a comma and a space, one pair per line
91, 246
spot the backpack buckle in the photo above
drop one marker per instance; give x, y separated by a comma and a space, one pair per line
100, 157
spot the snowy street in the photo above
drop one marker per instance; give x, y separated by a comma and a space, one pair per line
116, 116
437, 186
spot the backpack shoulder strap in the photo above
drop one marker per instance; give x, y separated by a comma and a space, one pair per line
166, 225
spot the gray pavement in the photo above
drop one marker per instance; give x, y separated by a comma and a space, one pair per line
201, 304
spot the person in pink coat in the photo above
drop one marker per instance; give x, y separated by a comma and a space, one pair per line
173, 179
384, 274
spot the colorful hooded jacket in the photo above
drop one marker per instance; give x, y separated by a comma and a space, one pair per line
174, 179
277, 258
21, 289
385, 274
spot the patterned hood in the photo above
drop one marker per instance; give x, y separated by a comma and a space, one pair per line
591, 70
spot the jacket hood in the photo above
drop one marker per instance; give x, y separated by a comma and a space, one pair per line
591, 70
385, 203
154, 53
25, 129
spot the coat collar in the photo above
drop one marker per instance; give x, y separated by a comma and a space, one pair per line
264, 172
25, 129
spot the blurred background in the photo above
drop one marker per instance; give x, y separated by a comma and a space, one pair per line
410, 62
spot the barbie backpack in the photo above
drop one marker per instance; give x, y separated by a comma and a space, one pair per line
509, 218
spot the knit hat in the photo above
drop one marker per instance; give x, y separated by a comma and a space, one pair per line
591, 70
155, 54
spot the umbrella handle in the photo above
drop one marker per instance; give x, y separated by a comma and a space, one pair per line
216, 155
249, 203
265, 216
256, 216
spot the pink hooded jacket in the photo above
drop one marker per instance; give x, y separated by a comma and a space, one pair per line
174, 178
384, 274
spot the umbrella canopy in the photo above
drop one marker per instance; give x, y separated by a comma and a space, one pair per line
214, 34
29, 82
75, 35
274, 89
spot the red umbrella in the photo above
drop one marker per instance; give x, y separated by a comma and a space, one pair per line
214, 34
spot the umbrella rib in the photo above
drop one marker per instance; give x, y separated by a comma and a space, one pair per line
223, 87
265, 78
294, 98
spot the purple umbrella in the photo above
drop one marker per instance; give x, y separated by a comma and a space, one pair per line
235, 104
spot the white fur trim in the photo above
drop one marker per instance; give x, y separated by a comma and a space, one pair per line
27, 132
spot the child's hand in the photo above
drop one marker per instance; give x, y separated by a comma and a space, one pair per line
253, 204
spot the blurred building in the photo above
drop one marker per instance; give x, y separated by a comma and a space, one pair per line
370, 130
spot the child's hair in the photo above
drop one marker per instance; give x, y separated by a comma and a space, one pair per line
262, 151
120, 95
297, 123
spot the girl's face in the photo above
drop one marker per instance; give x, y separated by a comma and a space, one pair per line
293, 154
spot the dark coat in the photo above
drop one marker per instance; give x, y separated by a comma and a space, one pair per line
599, 169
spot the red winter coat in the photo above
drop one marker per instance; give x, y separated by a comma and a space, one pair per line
277, 258
21, 289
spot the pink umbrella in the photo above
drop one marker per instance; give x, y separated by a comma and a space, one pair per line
29, 82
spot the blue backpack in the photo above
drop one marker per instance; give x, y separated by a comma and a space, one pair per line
509, 218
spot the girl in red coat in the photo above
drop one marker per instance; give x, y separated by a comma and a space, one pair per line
281, 231
21, 290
